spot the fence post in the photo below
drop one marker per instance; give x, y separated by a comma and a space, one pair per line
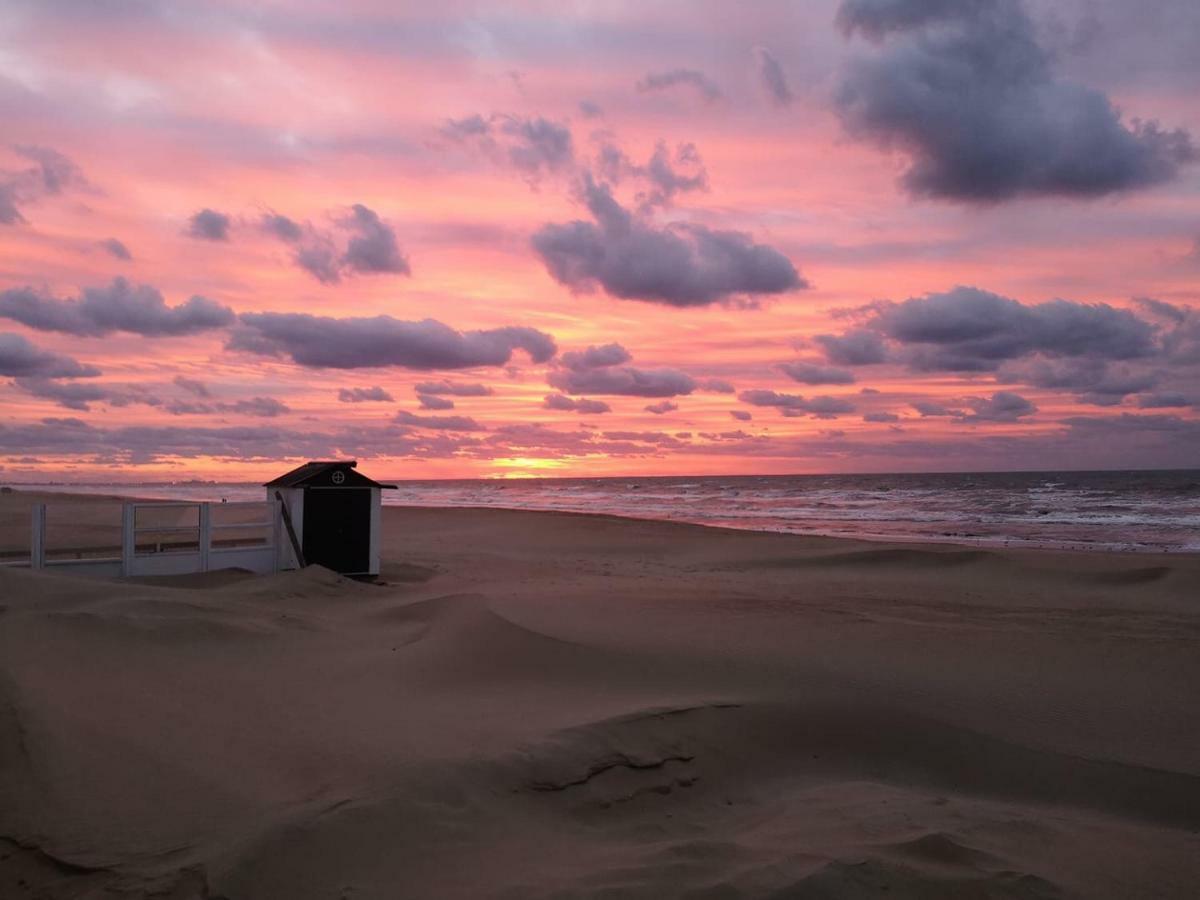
37, 539
128, 534
205, 535
276, 531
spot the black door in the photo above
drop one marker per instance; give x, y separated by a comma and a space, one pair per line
337, 528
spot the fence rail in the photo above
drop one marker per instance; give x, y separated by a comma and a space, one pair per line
142, 555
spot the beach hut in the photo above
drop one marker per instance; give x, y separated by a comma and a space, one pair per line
331, 515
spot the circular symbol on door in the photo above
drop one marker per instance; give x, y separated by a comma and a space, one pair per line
337, 477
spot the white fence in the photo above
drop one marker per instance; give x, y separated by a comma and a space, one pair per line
171, 539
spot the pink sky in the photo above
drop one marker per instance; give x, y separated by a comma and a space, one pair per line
975, 199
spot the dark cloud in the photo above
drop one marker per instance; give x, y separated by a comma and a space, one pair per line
1165, 400
662, 407
717, 386
209, 225
595, 357
1093, 381
822, 407
532, 146
287, 230
857, 347
1161, 309
359, 242
968, 93
364, 395
774, 82
623, 381
969, 330
54, 171
807, 373
571, 404
372, 247
680, 265
117, 249
741, 415
350, 343
693, 78
1002, 406
664, 176
262, 407
18, 357
10, 214
440, 423
51, 174
453, 388
120, 306
68, 394
880, 417
433, 401
192, 386
590, 109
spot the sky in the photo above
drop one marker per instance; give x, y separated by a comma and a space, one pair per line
463, 240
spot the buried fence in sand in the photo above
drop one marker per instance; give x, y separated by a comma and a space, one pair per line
152, 538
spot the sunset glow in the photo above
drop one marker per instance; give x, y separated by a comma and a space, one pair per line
528, 239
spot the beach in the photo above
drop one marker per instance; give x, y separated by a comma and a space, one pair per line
560, 705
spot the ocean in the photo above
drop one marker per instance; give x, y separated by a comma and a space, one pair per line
1135, 511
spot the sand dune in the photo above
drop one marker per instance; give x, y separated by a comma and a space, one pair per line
560, 706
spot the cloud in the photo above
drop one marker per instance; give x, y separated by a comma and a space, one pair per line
441, 423
741, 415
595, 357
822, 407
969, 95
372, 247
716, 385
664, 176
623, 381
770, 74
880, 417
679, 265
589, 109
1165, 400
433, 401
807, 373
453, 388
51, 174
117, 249
192, 386
969, 330
1094, 381
856, 347
18, 357
120, 306
692, 78
208, 225
68, 394
662, 407
533, 146
287, 230
364, 395
570, 404
54, 170
263, 407
359, 242
351, 343
1002, 406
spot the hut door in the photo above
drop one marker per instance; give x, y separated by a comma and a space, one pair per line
337, 528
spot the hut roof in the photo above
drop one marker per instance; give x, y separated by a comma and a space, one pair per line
321, 472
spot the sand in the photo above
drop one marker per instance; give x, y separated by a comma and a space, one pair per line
543, 705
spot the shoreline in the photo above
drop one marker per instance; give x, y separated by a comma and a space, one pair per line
963, 540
